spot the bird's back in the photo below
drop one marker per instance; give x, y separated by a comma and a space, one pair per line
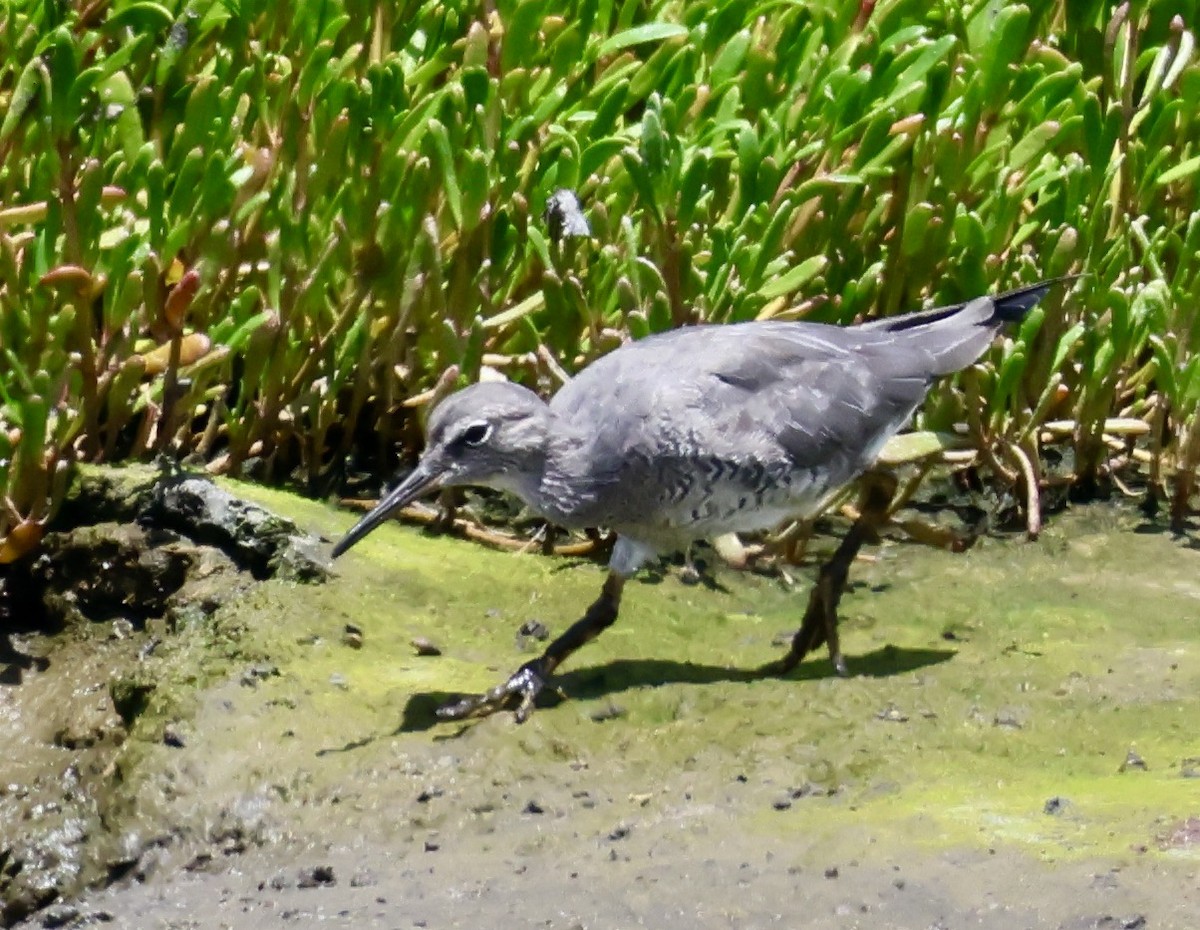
711, 429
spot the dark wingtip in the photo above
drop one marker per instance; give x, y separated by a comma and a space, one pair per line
1014, 305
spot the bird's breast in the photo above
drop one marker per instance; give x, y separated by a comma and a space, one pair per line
713, 499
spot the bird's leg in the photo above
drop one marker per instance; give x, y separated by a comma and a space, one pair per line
820, 619
527, 682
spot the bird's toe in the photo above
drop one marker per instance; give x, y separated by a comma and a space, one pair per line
523, 686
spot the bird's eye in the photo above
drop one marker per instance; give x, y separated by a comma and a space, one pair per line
476, 434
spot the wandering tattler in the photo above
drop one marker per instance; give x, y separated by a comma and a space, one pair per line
695, 433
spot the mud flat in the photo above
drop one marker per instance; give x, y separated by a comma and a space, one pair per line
1017, 746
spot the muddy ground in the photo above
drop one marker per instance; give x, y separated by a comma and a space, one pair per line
1018, 746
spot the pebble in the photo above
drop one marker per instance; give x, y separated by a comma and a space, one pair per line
1055, 806
260, 671
892, 714
59, 915
530, 632
1133, 762
318, 875
173, 736
425, 647
352, 636
534, 629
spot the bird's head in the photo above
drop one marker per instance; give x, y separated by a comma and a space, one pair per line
493, 434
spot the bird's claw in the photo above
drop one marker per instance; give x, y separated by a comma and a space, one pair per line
526, 683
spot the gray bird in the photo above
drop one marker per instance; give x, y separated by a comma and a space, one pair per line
695, 433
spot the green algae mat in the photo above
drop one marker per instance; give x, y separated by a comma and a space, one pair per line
1015, 713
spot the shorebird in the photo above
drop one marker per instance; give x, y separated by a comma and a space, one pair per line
695, 433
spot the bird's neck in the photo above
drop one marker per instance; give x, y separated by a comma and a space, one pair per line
559, 490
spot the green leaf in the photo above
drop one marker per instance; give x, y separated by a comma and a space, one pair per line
639, 35
445, 160
22, 97
729, 62
794, 279
1032, 145
140, 17
1182, 170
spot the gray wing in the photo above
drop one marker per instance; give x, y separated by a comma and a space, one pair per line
745, 405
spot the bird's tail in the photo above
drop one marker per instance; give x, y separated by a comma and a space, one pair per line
955, 336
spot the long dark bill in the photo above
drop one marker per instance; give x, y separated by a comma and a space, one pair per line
416, 484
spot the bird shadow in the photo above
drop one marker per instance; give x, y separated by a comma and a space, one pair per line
1188, 536
420, 710
609, 678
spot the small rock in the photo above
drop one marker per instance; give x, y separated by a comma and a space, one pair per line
831, 872
431, 846
1133, 922
531, 632
429, 794
316, 876
619, 833
533, 807
352, 636
534, 629
1055, 806
338, 680
425, 647
259, 671
59, 915
147, 649
781, 804
173, 736
892, 714
1133, 762
1008, 719
1190, 768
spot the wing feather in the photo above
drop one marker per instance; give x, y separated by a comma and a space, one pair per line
741, 403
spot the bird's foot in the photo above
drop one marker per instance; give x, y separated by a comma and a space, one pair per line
805, 642
524, 685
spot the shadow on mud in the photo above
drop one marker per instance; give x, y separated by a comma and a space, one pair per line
597, 681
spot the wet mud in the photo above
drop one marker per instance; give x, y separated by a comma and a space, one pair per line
1016, 745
